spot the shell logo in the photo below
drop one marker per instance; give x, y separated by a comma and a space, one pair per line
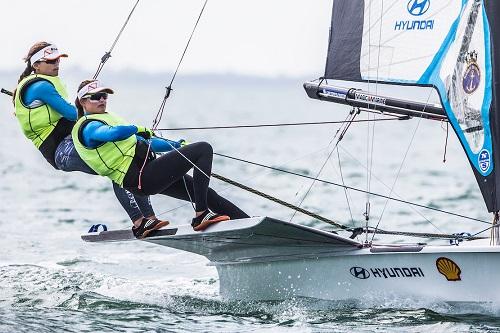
449, 269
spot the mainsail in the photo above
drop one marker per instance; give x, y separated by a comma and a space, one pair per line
449, 45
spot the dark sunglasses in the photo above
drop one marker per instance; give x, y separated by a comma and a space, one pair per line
51, 62
98, 96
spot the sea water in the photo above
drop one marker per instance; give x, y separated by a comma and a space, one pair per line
51, 281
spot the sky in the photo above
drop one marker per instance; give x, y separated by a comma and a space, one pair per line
266, 38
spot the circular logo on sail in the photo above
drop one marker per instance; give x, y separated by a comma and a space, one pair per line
418, 7
472, 75
483, 160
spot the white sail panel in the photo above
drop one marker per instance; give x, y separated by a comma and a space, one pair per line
401, 38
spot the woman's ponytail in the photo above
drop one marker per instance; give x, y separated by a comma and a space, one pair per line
29, 66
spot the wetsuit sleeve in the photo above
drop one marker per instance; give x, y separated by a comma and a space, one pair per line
95, 133
163, 145
44, 91
160, 145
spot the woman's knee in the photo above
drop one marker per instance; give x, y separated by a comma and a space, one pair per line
204, 147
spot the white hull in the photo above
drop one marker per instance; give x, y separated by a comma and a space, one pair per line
330, 277
267, 259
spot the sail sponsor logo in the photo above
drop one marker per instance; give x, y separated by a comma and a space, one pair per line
472, 75
386, 273
414, 25
484, 160
334, 93
449, 269
369, 98
416, 8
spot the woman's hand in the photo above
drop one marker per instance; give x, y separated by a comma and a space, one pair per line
144, 132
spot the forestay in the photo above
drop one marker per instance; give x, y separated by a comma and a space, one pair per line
449, 45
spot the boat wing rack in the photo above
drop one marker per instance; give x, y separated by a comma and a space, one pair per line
242, 240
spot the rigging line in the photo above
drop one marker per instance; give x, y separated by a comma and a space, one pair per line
370, 149
445, 143
351, 188
188, 42
402, 162
343, 183
345, 126
228, 186
387, 186
159, 114
422, 234
276, 125
107, 55
349, 116
484, 230
281, 202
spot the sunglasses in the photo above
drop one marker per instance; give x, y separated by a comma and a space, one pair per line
51, 62
98, 96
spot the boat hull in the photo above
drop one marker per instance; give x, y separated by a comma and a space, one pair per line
368, 275
267, 259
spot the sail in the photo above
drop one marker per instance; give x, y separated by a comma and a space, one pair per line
447, 44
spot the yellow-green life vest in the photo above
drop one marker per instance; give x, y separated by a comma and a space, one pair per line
39, 119
111, 159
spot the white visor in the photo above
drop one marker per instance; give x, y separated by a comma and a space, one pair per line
50, 52
92, 88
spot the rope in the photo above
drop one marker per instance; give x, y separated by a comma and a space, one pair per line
423, 234
351, 188
107, 55
343, 184
494, 234
446, 143
355, 231
343, 129
274, 125
279, 201
159, 114
403, 161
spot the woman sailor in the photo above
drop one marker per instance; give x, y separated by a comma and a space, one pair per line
114, 148
46, 118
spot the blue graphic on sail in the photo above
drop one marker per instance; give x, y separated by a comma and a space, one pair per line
449, 45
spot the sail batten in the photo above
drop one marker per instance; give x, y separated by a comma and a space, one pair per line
449, 45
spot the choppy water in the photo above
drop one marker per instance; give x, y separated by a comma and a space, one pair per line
51, 281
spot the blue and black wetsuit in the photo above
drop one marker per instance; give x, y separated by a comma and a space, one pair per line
167, 174
66, 157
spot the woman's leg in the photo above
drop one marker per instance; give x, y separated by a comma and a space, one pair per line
168, 169
136, 206
67, 159
184, 190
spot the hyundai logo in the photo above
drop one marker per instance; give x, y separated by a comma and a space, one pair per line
418, 7
359, 273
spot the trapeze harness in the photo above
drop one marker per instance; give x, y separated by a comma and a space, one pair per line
40, 123
111, 159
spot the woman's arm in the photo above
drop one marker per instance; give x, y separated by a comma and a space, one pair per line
44, 91
161, 145
95, 133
